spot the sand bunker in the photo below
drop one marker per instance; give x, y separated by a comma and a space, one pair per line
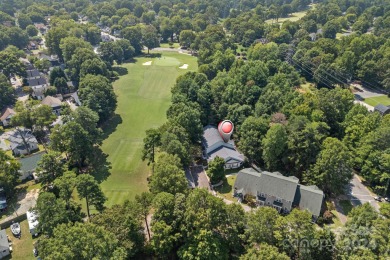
148, 63
184, 67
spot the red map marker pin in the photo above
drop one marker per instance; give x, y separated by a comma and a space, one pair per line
225, 129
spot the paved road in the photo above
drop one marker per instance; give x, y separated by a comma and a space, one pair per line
359, 194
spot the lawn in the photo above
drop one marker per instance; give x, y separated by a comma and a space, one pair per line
143, 99
22, 248
384, 100
293, 17
226, 189
346, 206
166, 45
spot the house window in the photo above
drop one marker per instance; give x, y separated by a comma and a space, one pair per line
262, 195
278, 200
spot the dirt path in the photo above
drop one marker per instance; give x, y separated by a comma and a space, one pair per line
25, 202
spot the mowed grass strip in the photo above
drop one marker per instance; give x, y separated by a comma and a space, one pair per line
144, 95
374, 101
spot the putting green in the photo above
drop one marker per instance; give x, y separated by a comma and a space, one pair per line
144, 95
166, 61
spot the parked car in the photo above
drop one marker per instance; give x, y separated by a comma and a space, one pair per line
387, 199
378, 198
3, 200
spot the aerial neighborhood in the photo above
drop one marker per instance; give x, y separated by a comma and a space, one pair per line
194, 129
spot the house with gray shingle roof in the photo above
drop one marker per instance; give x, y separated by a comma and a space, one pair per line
214, 146
29, 164
22, 141
4, 244
382, 109
278, 191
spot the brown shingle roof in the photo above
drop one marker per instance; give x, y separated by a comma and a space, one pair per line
6, 112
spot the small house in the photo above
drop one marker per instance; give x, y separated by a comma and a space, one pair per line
32, 219
39, 91
41, 28
6, 115
4, 244
54, 103
382, 109
29, 165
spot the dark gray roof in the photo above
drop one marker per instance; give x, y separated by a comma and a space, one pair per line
252, 182
382, 108
215, 146
33, 73
3, 240
29, 164
274, 184
310, 198
36, 82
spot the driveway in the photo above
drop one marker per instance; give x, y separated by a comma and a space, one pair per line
25, 202
359, 194
199, 177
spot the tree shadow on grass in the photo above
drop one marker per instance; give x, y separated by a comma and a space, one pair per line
152, 55
99, 166
120, 70
110, 126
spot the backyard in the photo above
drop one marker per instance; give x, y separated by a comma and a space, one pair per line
143, 92
23, 247
226, 189
384, 100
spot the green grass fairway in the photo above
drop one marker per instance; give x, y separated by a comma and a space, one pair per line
144, 95
293, 17
384, 100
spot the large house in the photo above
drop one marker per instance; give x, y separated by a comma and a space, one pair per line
6, 115
22, 141
213, 146
278, 191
